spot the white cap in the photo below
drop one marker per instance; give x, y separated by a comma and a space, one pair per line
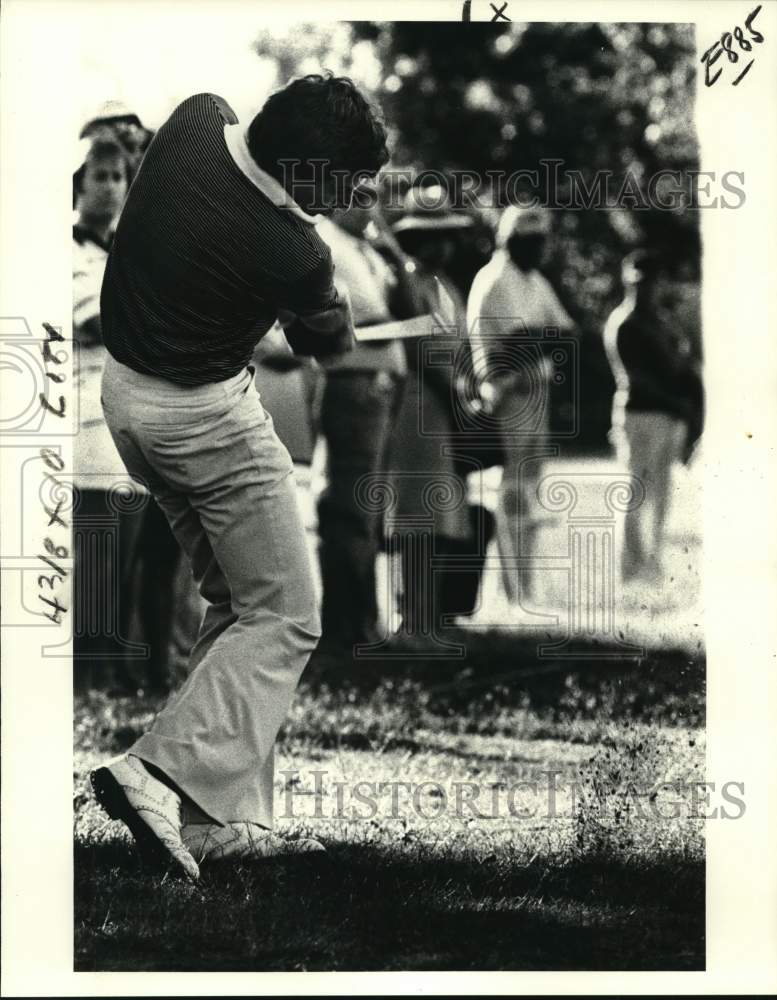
110, 111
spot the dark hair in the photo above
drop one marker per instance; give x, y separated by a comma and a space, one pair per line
319, 118
104, 147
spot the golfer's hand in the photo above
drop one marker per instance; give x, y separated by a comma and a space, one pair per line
343, 341
321, 334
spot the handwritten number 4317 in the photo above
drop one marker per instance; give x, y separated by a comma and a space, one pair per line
726, 44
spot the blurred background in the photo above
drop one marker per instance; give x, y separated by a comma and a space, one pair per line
571, 102
621, 704
478, 97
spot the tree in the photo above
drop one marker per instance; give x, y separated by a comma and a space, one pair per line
504, 97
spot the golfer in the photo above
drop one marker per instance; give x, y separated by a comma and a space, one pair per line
218, 240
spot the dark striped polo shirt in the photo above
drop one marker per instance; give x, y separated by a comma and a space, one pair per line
203, 260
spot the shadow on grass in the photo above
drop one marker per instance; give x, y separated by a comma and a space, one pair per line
409, 905
403, 907
669, 683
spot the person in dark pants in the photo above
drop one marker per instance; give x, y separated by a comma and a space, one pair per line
157, 557
359, 403
430, 232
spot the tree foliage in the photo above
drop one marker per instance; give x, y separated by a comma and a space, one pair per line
495, 98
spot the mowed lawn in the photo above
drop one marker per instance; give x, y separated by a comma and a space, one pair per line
440, 859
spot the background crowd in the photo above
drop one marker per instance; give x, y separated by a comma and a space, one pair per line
622, 283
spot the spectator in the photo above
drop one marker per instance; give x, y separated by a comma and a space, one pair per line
426, 427
115, 118
102, 556
360, 398
656, 403
511, 305
134, 580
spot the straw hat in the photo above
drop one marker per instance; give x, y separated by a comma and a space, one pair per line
110, 111
427, 208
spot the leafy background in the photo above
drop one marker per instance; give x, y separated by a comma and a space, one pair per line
502, 97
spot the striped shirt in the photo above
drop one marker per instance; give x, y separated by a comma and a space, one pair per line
208, 251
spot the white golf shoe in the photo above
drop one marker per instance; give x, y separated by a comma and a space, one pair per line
209, 842
151, 810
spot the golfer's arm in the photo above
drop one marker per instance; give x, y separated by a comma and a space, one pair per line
316, 315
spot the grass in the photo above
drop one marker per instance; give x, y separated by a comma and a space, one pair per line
605, 880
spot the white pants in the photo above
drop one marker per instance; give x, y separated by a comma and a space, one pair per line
524, 419
212, 459
650, 443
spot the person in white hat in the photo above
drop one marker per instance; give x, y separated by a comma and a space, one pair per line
116, 118
511, 307
425, 435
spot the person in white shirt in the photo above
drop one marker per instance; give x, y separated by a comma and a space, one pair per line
511, 307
